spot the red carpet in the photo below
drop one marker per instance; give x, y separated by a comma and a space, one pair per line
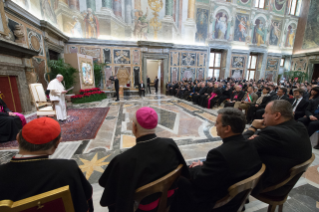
81, 125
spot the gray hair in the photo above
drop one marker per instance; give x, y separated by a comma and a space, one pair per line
234, 118
283, 107
25, 145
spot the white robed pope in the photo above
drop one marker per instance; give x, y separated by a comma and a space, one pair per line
57, 92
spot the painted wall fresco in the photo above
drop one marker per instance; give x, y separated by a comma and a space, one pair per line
275, 32
241, 27
183, 63
201, 24
290, 35
272, 68
259, 32
299, 64
238, 66
169, 21
311, 38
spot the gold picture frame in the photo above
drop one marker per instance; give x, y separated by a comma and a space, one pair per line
4, 29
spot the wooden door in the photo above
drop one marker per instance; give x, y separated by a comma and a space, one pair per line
10, 93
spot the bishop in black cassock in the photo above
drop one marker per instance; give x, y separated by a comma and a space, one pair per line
150, 159
31, 172
10, 124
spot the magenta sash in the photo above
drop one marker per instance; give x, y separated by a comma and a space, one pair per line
22, 118
212, 97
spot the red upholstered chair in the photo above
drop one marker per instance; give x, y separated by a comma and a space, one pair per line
57, 200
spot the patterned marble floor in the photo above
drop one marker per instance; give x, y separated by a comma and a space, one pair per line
192, 128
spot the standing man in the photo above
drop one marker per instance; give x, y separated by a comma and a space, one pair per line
149, 83
141, 88
156, 84
116, 87
57, 92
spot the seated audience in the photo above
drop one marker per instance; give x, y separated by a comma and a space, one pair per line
203, 98
141, 89
233, 161
281, 143
150, 159
31, 172
311, 119
10, 123
236, 96
196, 96
249, 99
214, 96
314, 93
299, 104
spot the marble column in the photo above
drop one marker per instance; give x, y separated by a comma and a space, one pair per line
228, 29
263, 66
117, 8
169, 7
191, 9
128, 11
107, 4
190, 24
91, 4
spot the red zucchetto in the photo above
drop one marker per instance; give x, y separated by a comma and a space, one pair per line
147, 117
41, 131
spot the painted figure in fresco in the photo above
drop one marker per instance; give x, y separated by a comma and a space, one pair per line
242, 27
279, 4
48, 13
258, 33
92, 24
141, 25
76, 29
202, 18
275, 33
290, 36
221, 25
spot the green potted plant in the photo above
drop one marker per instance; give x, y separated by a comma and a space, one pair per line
66, 70
98, 74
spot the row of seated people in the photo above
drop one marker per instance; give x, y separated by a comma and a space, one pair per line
280, 143
253, 100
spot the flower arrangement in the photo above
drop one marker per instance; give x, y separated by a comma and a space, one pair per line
88, 95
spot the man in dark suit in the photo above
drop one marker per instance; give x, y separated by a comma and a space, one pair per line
198, 94
116, 87
233, 161
156, 84
299, 104
281, 95
148, 80
281, 143
141, 88
311, 121
235, 97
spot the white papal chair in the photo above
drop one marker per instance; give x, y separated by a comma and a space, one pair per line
44, 108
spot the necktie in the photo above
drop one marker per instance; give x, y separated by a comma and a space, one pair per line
294, 104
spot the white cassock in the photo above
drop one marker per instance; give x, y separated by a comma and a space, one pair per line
56, 88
